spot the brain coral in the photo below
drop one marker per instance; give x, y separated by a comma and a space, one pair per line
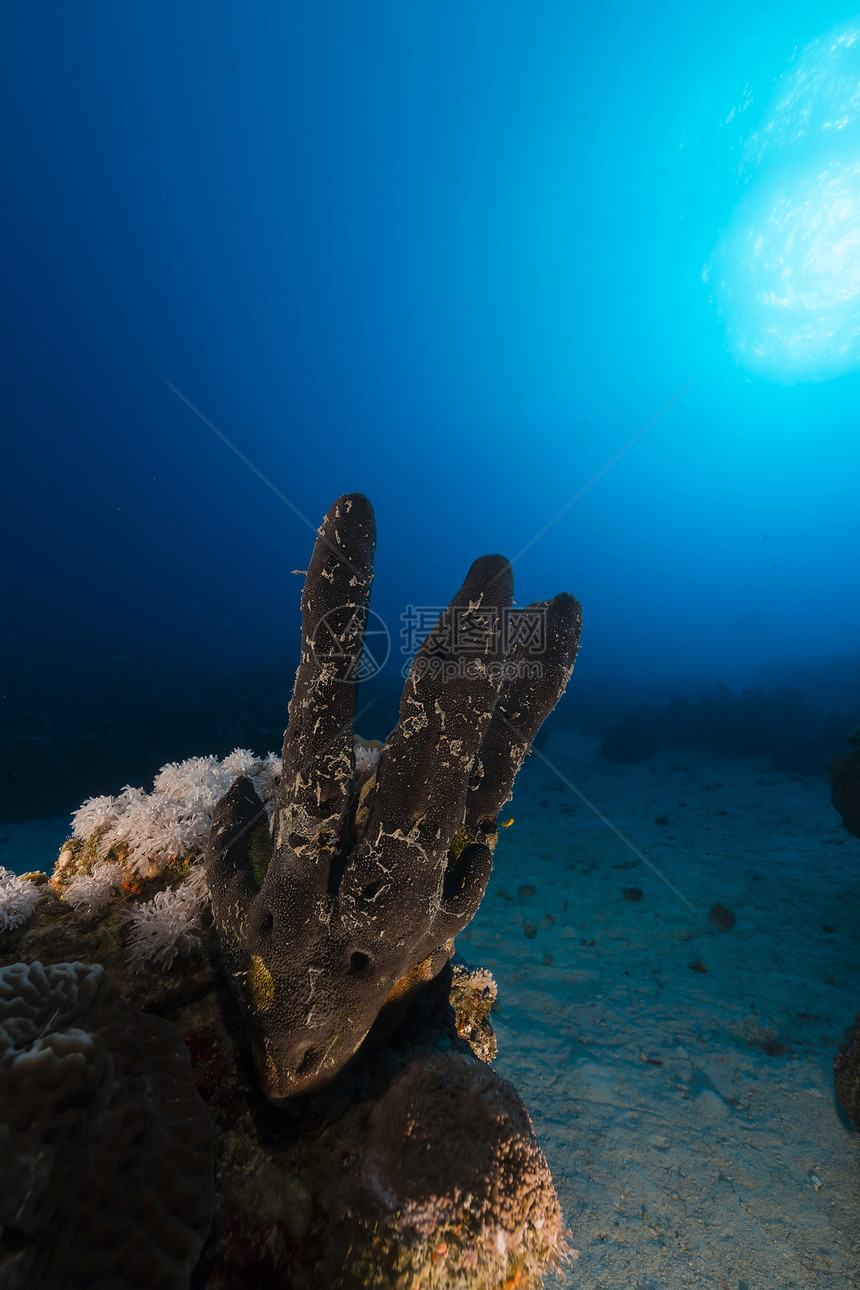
452, 1145
106, 1175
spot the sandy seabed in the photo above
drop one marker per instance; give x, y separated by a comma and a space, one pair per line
688, 1115
687, 1112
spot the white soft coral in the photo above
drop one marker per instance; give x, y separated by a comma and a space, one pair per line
95, 813
174, 819
158, 829
199, 781
88, 892
149, 830
168, 926
18, 899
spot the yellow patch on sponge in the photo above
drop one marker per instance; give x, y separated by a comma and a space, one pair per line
417, 976
261, 984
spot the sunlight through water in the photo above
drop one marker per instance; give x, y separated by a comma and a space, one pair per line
785, 274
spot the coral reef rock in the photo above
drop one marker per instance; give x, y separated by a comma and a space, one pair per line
845, 783
452, 1152
327, 1193
335, 916
846, 1072
106, 1175
845, 794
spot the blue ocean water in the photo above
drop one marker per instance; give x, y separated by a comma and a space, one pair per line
577, 284
457, 257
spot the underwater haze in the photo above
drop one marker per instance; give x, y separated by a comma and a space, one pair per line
580, 285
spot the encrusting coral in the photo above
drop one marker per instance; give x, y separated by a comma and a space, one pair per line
354, 904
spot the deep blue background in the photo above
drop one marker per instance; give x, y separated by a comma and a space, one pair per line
447, 254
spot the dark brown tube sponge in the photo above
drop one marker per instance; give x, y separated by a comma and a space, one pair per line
349, 906
106, 1175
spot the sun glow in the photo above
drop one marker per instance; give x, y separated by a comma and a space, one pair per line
786, 271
